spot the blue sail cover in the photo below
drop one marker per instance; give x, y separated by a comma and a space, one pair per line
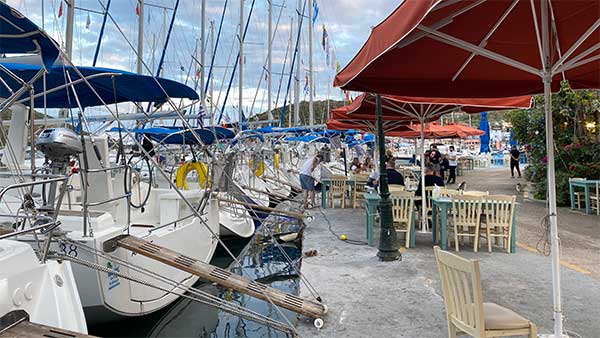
484, 125
18, 35
180, 135
128, 87
308, 138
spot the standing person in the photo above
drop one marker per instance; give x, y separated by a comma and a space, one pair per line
435, 158
515, 157
444, 166
451, 165
307, 180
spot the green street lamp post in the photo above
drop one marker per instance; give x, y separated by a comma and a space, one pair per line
388, 240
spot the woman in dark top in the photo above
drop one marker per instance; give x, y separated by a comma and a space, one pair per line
394, 177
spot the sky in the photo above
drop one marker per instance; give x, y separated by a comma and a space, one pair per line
348, 24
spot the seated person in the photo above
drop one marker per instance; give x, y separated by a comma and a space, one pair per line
430, 179
373, 180
355, 166
368, 165
394, 177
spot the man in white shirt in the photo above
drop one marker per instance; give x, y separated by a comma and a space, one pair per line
452, 163
307, 180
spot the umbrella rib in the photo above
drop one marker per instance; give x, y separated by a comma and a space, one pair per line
438, 25
484, 41
567, 65
537, 34
578, 43
555, 33
580, 63
456, 42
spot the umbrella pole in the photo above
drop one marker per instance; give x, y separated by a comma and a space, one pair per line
552, 217
389, 247
423, 195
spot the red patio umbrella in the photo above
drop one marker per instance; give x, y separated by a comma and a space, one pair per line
466, 48
436, 131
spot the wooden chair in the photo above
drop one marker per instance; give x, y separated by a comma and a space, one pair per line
359, 189
466, 218
403, 210
499, 214
476, 193
466, 312
445, 192
594, 203
396, 188
428, 204
579, 195
337, 191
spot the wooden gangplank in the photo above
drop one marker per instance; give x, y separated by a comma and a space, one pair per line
32, 330
217, 275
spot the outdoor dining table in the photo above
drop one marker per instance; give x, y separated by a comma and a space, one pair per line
445, 204
325, 183
586, 185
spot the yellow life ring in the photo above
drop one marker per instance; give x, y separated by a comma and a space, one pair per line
260, 169
186, 168
276, 161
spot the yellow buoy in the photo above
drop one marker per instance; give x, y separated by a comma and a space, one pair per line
186, 168
343, 237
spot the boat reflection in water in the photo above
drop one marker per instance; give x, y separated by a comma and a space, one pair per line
262, 261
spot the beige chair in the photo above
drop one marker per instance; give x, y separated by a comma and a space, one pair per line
499, 213
396, 188
594, 199
403, 210
476, 193
359, 189
466, 219
337, 191
445, 192
465, 310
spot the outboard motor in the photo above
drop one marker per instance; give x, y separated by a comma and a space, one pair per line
58, 145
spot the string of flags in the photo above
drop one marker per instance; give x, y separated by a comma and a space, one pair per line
315, 12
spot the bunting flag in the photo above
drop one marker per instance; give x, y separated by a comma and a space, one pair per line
306, 89
333, 60
315, 11
137, 9
347, 96
324, 41
60, 9
337, 67
201, 115
327, 59
198, 72
182, 68
88, 21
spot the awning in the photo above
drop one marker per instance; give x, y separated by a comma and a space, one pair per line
112, 85
436, 131
180, 135
18, 35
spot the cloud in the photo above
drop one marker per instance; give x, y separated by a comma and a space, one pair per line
348, 24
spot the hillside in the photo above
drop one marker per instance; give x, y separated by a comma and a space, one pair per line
320, 108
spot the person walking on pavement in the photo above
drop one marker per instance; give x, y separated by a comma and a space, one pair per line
515, 157
451, 165
307, 180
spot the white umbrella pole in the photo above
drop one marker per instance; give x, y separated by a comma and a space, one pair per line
558, 317
423, 194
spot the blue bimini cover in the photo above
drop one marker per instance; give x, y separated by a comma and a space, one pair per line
113, 86
18, 35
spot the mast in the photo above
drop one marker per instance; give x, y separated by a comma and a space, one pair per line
69, 35
241, 60
101, 33
298, 56
212, 87
203, 52
269, 61
291, 63
140, 49
311, 112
